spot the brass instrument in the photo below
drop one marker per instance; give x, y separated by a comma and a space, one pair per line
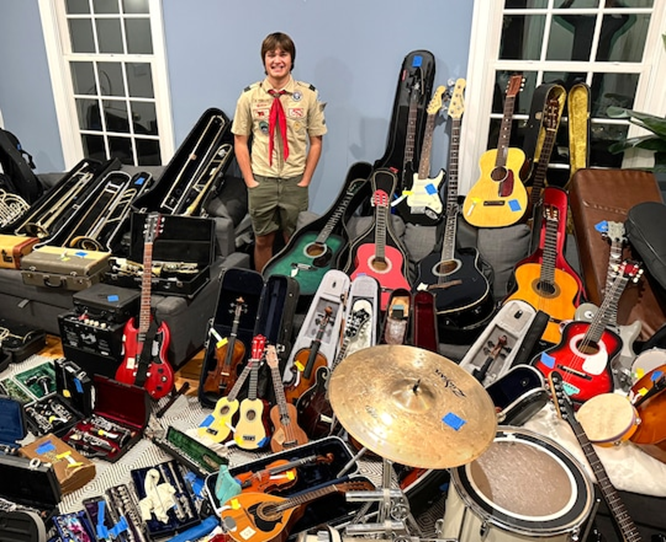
12, 207
123, 266
222, 156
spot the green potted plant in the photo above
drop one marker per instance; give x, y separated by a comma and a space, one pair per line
655, 141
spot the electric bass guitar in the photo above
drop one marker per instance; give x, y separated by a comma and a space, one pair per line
286, 431
499, 198
252, 432
145, 361
565, 409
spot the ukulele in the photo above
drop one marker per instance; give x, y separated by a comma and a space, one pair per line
546, 287
307, 361
499, 198
145, 361
314, 410
625, 525
218, 426
586, 351
261, 517
280, 474
252, 427
423, 204
229, 353
286, 432
454, 275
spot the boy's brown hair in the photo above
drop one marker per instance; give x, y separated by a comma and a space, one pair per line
278, 40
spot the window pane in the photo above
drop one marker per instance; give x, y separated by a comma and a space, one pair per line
522, 4
115, 114
76, 6
635, 3
560, 4
139, 80
121, 148
81, 34
93, 147
105, 6
135, 6
623, 37
571, 37
612, 89
522, 37
88, 113
144, 117
83, 78
111, 78
149, 152
138, 36
108, 34
523, 99
604, 135
565, 79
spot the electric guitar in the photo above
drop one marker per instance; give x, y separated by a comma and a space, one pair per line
261, 517
228, 355
310, 255
252, 427
416, 94
145, 361
499, 197
219, 425
625, 525
454, 276
286, 432
546, 287
586, 351
423, 204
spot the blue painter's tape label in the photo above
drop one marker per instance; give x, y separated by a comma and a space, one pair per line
453, 421
514, 205
78, 385
418, 60
601, 227
656, 375
547, 360
431, 189
81, 254
45, 447
112, 298
140, 180
207, 421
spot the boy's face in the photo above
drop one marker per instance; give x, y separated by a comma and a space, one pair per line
277, 63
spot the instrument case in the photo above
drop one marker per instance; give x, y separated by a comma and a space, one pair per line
644, 227
13, 248
13, 426
66, 268
22, 341
598, 195
107, 303
125, 407
21, 526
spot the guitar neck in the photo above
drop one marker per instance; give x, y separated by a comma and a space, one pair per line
424, 163
614, 259
451, 225
241, 380
607, 309
505, 132
280, 397
410, 137
549, 253
380, 233
306, 498
146, 283
254, 381
335, 218
542, 166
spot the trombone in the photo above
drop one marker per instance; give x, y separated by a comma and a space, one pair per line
217, 164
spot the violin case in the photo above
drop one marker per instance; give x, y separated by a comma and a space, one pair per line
22, 342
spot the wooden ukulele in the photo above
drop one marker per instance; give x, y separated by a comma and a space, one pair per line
307, 361
252, 428
546, 287
423, 204
286, 431
145, 361
586, 351
229, 354
454, 275
261, 517
219, 425
625, 525
499, 198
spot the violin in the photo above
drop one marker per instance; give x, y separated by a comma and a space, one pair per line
648, 396
278, 475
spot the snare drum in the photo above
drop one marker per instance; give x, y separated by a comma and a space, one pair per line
524, 486
608, 419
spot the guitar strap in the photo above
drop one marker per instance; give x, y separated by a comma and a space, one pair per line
146, 355
530, 339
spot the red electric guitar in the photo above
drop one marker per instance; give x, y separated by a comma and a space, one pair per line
145, 361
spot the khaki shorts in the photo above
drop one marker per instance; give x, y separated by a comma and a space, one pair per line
275, 204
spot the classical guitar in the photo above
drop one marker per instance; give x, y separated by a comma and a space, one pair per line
252, 429
307, 361
454, 275
261, 517
315, 414
229, 354
219, 425
546, 287
308, 256
499, 198
286, 431
279, 474
586, 351
565, 409
384, 262
423, 203
145, 361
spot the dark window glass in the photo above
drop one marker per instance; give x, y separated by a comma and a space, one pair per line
115, 114
602, 136
149, 152
83, 78
121, 148
76, 7
571, 37
93, 147
109, 36
81, 34
105, 6
139, 80
612, 89
622, 37
522, 100
525, 4
111, 78
522, 37
135, 6
144, 117
139, 41
576, 4
88, 113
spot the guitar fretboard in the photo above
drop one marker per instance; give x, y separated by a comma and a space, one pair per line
410, 136
381, 213
452, 209
336, 216
549, 253
426, 147
146, 283
600, 320
505, 132
542, 167
614, 259
280, 397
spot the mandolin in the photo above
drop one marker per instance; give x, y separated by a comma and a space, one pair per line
649, 399
286, 431
499, 198
252, 428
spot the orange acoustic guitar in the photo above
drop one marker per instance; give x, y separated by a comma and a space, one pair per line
499, 198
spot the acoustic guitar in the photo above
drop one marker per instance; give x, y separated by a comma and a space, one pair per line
252, 431
145, 362
499, 198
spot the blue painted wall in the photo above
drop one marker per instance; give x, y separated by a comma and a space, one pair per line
351, 50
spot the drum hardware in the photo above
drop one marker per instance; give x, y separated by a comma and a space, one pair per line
12, 207
176, 199
201, 189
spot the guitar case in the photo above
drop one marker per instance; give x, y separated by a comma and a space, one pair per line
644, 227
597, 195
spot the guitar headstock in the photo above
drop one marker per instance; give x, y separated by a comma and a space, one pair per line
563, 404
258, 347
515, 85
628, 269
614, 232
152, 227
551, 213
272, 357
551, 116
380, 199
355, 485
457, 103
436, 101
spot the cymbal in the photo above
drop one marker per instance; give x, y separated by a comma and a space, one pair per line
412, 406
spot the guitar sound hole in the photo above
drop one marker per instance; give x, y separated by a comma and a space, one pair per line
251, 415
588, 348
268, 512
498, 174
546, 289
380, 265
447, 267
315, 249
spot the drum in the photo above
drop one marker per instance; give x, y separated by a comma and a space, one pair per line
646, 362
524, 486
608, 419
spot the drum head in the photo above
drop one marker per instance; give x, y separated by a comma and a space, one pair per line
527, 484
607, 418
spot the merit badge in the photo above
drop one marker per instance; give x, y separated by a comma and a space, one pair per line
297, 96
296, 112
263, 126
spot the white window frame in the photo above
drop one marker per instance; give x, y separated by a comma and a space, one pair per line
56, 37
483, 63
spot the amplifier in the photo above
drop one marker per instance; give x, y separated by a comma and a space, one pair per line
105, 302
95, 345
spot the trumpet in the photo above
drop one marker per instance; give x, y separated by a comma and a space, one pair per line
12, 207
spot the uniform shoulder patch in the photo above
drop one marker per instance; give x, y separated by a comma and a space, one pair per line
307, 85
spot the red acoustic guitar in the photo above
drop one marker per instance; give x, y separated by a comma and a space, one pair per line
145, 360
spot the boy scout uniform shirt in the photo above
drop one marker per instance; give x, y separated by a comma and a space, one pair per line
305, 117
